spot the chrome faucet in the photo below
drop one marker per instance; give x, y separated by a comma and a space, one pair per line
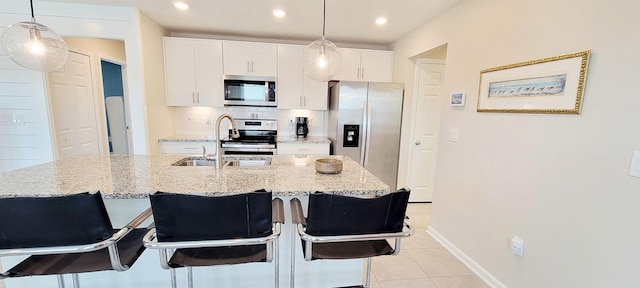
234, 134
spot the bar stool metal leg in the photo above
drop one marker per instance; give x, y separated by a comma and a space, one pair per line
174, 283
190, 277
366, 284
60, 281
276, 257
76, 280
293, 257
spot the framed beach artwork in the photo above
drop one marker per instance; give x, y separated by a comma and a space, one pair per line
457, 99
553, 85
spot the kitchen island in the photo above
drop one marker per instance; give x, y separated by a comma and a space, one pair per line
126, 181
134, 177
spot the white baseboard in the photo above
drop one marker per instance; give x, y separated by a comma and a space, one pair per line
466, 260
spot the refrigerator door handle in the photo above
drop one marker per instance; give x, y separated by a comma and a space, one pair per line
364, 131
368, 135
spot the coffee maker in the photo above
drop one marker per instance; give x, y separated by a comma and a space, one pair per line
302, 126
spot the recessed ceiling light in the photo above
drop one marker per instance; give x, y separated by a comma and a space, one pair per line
181, 5
279, 13
381, 21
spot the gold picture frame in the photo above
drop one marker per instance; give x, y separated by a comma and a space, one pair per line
553, 85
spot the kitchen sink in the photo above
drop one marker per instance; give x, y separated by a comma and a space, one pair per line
202, 161
248, 162
195, 161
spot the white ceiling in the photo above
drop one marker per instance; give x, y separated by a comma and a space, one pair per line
348, 21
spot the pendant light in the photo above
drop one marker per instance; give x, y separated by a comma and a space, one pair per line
34, 46
321, 57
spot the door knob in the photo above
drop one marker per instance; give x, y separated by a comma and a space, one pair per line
418, 142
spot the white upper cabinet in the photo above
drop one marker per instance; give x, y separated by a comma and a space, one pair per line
193, 72
365, 65
295, 89
250, 58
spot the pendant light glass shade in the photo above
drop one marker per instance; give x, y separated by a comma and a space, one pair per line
34, 46
321, 60
321, 57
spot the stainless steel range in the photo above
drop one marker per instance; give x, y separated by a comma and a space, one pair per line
257, 137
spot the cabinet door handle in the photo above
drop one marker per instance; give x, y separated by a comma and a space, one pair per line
193, 97
251, 66
248, 66
362, 74
198, 97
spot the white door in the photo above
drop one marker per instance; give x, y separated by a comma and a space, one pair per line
73, 107
426, 115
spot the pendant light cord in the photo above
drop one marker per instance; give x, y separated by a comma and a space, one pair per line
33, 17
324, 16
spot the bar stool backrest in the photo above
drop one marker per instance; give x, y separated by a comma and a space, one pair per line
330, 215
182, 217
27, 222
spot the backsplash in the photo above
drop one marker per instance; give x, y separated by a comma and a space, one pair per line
200, 121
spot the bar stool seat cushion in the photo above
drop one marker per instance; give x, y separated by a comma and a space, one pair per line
350, 250
212, 256
129, 248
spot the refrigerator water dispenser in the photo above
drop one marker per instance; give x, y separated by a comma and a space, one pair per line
351, 136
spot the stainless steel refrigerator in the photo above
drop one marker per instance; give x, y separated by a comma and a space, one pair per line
364, 123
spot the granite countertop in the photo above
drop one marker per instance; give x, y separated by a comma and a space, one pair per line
132, 177
188, 138
308, 139
281, 139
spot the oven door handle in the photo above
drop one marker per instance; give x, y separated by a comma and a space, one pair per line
248, 146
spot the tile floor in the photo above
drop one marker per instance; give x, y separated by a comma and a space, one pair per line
422, 262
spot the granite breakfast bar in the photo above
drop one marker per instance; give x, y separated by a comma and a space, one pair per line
126, 181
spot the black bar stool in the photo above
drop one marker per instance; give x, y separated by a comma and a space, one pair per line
207, 231
343, 227
66, 235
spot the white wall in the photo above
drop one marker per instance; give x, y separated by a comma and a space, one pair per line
159, 116
33, 144
200, 121
558, 181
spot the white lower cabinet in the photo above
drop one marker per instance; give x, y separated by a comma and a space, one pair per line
303, 149
187, 147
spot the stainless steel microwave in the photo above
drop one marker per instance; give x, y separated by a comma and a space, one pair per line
249, 91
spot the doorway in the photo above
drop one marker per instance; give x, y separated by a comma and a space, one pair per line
113, 90
97, 51
429, 77
73, 105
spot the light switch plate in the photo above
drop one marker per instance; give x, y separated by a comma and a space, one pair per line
454, 135
634, 170
517, 245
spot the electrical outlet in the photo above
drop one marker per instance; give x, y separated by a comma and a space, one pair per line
12, 119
